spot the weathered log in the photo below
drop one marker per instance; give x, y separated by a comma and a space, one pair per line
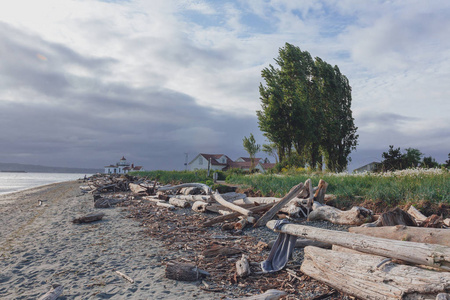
179, 202
417, 215
257, 200
371, 277
276, 208
230, 205
89, 218
293, 211
319, 196
165, 205
243, 267
192, 198
53, 294
125, 276
236, 215
407, 233
423, 254
355, 216
447, 222
302, 243
267, 295
433, 221
397, 217
184, 272
199, 206
106, 202
239, 225
137, 189
309, 188
216, 250
201, 186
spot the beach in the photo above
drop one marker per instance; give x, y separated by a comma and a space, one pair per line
40, 246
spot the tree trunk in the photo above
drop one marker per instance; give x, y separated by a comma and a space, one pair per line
407, 233
363, 276
423, 254
355, 216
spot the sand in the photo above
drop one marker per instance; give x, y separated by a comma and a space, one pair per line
39, 246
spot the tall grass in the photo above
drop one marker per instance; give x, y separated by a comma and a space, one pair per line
175, 177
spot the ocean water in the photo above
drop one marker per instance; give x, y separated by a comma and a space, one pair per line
13, 182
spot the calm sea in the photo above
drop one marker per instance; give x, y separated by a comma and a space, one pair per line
13, 182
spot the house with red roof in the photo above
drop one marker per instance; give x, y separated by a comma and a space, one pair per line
222, 162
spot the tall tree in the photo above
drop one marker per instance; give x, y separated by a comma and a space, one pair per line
393, 159
252, 148
271, 150
429, 162
412, 157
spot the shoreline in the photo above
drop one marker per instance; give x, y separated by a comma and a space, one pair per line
40, 246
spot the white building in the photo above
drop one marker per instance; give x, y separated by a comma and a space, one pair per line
223, 162
122, 167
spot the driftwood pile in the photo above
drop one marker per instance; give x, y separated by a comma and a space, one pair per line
388, 257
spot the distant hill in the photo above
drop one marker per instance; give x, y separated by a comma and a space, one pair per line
8, 167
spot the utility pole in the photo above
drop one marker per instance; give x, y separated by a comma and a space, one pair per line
186, 160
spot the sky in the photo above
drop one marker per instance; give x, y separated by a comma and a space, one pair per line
85, 82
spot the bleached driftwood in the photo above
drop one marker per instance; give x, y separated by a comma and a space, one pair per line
184, 272
165, 205
302, 243
419, 253
125, 276
257, 200
199, 206
267, 295
236, 215
201, 186
242, 266
371, 277
447, 222
53, 294
276, 208
192, 198
416, 214
407, 233
179, 202
293, 211
137, 189
89, 218
355, 216
230, 205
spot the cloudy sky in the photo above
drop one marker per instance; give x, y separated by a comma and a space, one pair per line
83, 82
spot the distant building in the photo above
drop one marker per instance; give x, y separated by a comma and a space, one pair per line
122, 167
367, 168
223, 163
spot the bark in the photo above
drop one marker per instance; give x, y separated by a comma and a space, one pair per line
242, 266
276, 208
396, 217
370, 277
201, 186
407, 233
53, 294
355, 216
230, 205
184, 272
89, 218
423, 254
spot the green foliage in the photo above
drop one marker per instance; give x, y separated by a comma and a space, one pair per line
390, 190
429, 162
252, 148
447, 162
393, 159
306, 107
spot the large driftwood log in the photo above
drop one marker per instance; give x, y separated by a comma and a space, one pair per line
302, 243
256, 200
53, 294
184, 272
230, 205
199, 206
89, 218
192, 198
423, 254
276, 208
201, 186
179, 202
267, 295
367, 277
236, 215
416, 214
242, 266
397, 217
137, 189
355, 216
407, 233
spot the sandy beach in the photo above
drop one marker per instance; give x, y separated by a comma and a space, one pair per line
40, 246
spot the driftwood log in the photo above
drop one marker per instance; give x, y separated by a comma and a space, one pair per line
319, 195
302, 243
370, 277
407, 233
437, 256
355, 216
88, 218
276, 208
179, 202
236, 215
201, 186
230, 205
53, 294
267, 295
416, 214
199, 206
184, 272
106, 202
